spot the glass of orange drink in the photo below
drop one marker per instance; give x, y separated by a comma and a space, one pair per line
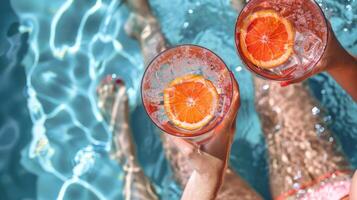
186, 91
281, 40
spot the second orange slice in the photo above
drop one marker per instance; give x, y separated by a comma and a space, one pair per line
266, 38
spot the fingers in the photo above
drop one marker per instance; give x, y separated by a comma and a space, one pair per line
236, 96
235, 104
184, 146
219, 145
353, 193
197, 158
287, 83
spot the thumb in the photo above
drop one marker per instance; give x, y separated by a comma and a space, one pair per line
197, 158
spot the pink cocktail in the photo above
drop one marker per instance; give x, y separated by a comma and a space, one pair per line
187, 70
281, 40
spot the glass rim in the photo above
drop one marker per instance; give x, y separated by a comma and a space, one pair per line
188, 136
269, 77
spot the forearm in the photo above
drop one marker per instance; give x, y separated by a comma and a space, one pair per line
234, 187
345, 74
204, 184
353, 193
197, 171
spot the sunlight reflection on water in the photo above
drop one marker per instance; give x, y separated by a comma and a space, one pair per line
74, 44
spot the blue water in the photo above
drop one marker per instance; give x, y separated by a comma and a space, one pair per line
54, 57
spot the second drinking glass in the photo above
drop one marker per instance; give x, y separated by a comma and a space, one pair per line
281, 40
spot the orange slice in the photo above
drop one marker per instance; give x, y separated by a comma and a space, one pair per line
190, 101
267, 39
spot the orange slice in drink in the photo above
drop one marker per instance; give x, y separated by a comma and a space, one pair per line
267, 39
190, 101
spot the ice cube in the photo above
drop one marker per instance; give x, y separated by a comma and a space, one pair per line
307, 46
164, 73
160, 116
288, 67
154, 95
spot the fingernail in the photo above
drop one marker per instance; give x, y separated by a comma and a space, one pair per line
284, 84
119, 81
232, 74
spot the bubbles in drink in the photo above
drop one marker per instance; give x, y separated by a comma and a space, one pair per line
164, 73
175, 76
289, 67
307, 46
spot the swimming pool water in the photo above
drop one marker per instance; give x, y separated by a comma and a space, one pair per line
60, 50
